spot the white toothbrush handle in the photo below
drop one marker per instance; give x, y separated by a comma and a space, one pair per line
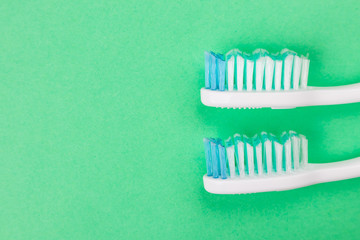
310, 96
335, 95
329, 172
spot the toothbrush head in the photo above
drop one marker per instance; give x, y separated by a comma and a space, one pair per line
259, 71
263, 154
244, 165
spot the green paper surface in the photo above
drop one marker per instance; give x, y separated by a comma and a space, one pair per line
101, 123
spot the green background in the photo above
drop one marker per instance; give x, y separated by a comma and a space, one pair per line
101, 124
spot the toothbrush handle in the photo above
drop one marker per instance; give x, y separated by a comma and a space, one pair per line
335, 95
310, 96
329, 172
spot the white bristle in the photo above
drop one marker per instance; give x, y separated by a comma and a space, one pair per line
295, 141
241, 158
259, 153
278, 72
249, 74
296, 72
288, 62
279, 156
269, 73
260, 71
240, 72
268, 155
287, 146
250, 158
304, 150
304, 72
259, 74
230, 73
230, 152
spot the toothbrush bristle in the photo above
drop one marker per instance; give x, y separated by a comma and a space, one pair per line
261, 155
260, 71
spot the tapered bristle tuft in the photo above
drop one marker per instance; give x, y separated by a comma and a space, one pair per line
260, 155
259, 71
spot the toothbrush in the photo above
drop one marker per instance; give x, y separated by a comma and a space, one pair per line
266, 163
239, 80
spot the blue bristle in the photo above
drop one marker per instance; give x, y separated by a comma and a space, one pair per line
221, 73
214, 158
222, 157
218, 142
207, 70
213, 82
208, 156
